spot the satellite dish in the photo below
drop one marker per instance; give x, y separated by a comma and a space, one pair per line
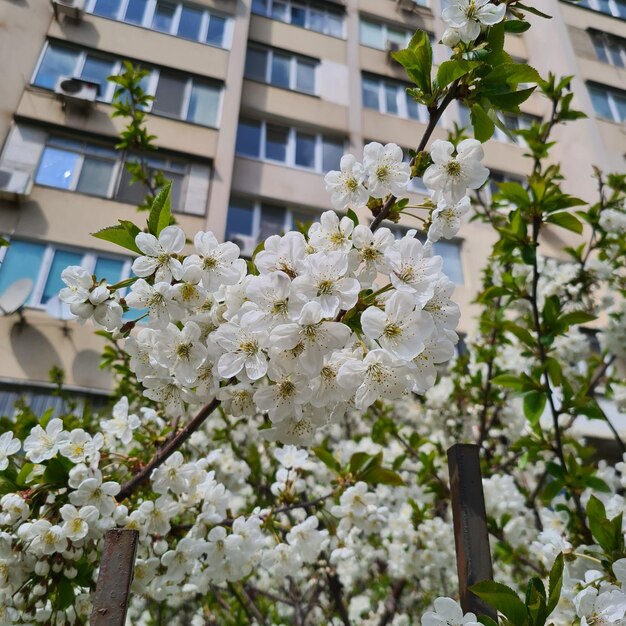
15, 296
59, 310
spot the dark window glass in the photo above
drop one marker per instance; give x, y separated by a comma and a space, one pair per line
110, 268
298, 16
412, 107
370, 94
272, 221
57, 168
169, 95
190, 22
95, 177
280, 11
260, 6
332, 151
280, 70
107, 8
240, 219
600, 100
391, 99
177, 181
131, 193
215, 34
135, 11
335, 24
276, 143
97, 71
599, 45
305, 150
305, 76
248, 139
57, 61
256, 64
164, 17
621, 8
203, 104
620, 105
316, 20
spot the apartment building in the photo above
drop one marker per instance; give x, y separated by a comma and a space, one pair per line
254, 101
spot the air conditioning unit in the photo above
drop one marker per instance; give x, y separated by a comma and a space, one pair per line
74, 9
14, 184
77, 92
246, 244
393, 46
410, 5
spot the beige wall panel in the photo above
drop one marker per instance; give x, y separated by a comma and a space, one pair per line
506, 157
387, 128
582, 43
582, 18
614, 137
380, 62
127, 41
171, 134
296, 39
64, 217
30, 351
23, 29
515, 45
286, 105
421, 18
603, 73
276, 182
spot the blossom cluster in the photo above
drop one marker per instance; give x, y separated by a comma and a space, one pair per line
340, 316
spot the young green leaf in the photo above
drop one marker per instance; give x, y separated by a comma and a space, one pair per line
555, 583
565, 220
161, 211
482, 123
417, 60
120, 235
503, 599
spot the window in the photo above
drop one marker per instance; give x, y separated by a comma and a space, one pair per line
609, 48
495, 179
59, 60
282, 69
252, 221
43, 264
448, 249
176, 95
616, 8
293, 147
608, 103
391, 97
378, 35
306, 15
174, 18
96, 170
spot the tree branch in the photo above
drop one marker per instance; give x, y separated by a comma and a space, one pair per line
165, 451
391, 603
336, 593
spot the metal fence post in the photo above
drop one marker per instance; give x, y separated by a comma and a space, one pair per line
116, 575
471, 534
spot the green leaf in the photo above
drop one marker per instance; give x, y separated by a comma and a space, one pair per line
565, 220
449, 71
353, 216
554, 370
121, 235
508, 74
482, 123
487, 621
555, 583
27, 468
326, 458
56, 472
511, 100
358, 460
532, 10
507, 380
599, 525
516, 26
161, 211
577, 317
597, 484
503, 599
382, 476
65, 594
417, 60
534, 405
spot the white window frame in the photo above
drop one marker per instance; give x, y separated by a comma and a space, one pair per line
148, 16
384, 32
609, 92
609, 43
293, 68
79, 66
308, 8
401, 99
88, 261
613, 7
290, 152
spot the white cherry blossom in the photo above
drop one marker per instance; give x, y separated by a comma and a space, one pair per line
346, 185
467, 16
8, 446
219, 262
41, 444
158, 299
331, 233
76, 521
181, 351
123, 424
446, 218
160, 254
385, 169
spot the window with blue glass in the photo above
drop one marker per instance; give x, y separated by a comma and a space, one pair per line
608, 102
309, 15
616, 8
391, 97
43, 264
179, 19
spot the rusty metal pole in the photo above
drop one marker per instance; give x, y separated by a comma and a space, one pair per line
471, 534
116, 575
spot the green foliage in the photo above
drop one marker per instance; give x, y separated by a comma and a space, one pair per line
417, 60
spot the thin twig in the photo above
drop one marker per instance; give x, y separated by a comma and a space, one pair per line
391, 603
336, 593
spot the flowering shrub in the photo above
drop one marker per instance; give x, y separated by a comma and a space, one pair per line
333, 342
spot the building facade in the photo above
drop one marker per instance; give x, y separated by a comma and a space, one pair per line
254, 101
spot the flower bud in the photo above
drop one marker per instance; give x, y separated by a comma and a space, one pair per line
450, 37
160, 547
42, 568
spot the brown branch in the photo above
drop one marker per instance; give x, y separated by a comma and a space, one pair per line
391, 603
166, 450
336, 593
